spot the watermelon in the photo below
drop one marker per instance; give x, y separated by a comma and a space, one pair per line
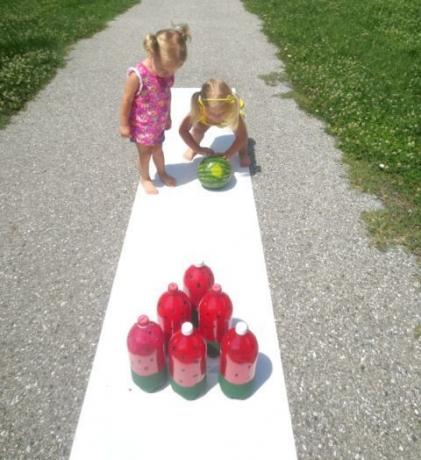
214, 172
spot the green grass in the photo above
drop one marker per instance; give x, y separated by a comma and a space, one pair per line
34, 38
357, 65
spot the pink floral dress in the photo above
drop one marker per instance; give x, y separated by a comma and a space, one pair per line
150, 112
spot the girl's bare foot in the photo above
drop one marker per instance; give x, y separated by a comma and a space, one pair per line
189, 154
148, 186
168, 180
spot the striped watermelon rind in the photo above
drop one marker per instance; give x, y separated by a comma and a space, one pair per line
214, 172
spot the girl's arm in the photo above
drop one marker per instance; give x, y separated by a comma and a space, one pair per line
184, 131
130, 89
240, 138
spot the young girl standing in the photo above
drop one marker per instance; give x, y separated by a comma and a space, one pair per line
215, 105
146, 104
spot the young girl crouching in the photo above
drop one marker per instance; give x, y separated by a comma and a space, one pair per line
215, 105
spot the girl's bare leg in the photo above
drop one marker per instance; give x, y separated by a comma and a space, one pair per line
243, 151
197, 133
244, 155
145, 153
159, 160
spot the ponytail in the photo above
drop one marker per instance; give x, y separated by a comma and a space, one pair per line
196, 110
150, 43
184, 31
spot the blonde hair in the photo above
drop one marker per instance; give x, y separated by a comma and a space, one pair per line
216, 94
169, 45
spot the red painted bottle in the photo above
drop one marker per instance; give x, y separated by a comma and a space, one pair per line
145, 343
198, 279
215, 310
237, 369
174, 308
187, 362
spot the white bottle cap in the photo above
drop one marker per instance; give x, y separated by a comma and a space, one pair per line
241, 328
187, 328
199, 264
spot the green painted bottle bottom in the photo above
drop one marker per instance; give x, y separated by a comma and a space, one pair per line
242, 391
152, 382
189, 392
213, 349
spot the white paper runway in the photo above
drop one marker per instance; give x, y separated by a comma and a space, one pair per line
167, 233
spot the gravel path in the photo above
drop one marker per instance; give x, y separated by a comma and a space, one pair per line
346, 312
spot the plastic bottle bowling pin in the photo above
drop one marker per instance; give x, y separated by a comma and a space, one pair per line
174, 308
215, 310
237, 369
145, 343
187, 362
198, 279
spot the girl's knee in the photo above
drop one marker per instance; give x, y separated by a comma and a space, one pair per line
157, 150
145, 149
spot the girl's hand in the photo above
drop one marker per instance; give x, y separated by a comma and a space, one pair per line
125, 131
